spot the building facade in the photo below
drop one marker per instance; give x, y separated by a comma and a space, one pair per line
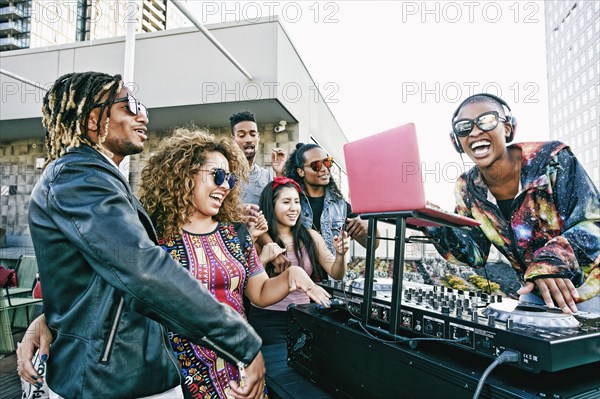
39, 23
190, 83
573, 64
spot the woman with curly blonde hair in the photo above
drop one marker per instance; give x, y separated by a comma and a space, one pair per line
189, 188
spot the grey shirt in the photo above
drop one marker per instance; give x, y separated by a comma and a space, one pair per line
259, 178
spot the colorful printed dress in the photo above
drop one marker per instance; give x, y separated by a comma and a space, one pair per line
223, 264
554, 229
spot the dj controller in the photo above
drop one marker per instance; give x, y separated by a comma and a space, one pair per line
486, 325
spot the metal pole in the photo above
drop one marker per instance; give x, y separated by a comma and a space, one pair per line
22, 79
129, 61
130, 25
209, 36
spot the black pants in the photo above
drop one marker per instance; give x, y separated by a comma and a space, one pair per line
271, 325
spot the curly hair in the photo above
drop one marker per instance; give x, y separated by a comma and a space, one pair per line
167, 181
296, 160
67, 106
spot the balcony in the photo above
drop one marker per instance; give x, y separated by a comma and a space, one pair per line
14, 12
13, 43
13, 27
150, 23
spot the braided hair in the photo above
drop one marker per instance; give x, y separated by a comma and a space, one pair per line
296, 160
67, 106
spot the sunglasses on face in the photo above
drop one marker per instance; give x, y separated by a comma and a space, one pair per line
486, 122
220, 175
133, 105
318, 165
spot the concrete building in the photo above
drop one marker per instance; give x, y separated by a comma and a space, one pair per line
573, 62
182, 78
39, 23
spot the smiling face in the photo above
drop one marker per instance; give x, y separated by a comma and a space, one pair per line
287, 206
313, 178
246, 136
207, 195
126, 130
484, 148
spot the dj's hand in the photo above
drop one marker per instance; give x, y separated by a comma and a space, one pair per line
561, 289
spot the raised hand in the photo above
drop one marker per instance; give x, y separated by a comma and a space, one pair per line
341, 243
278, 157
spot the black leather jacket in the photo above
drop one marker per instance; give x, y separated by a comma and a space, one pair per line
109, 289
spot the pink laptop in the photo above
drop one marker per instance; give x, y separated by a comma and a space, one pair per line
384, 175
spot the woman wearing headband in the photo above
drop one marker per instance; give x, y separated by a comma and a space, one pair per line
280, 203
536, 205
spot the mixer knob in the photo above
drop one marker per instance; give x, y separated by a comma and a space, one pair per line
509, 324
459, 303
484, 297
491, 320
435, 304
408, 296
466, 302
471, 294
461, 292
492, 299
449, 290
451, 303
445, 310
435, 288
499, 298
459, 311
474, 316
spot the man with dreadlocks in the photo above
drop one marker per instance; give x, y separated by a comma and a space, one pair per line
110, 286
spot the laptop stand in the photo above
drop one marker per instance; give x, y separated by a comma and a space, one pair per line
399, 219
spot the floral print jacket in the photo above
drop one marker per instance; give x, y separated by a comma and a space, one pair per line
555, 225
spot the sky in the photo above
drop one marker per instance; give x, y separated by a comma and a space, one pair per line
382, 64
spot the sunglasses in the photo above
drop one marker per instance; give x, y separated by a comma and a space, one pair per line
318, 165
220, 175
133, 105
486, 122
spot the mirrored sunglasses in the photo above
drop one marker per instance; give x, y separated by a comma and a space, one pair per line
133, 105
486, 122
220, 175
318, 165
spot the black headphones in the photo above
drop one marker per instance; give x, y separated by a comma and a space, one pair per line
511, 120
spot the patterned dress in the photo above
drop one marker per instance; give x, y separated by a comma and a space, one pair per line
223, 264
554, 228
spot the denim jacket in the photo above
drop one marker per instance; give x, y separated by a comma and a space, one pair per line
554, 228
332, 218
